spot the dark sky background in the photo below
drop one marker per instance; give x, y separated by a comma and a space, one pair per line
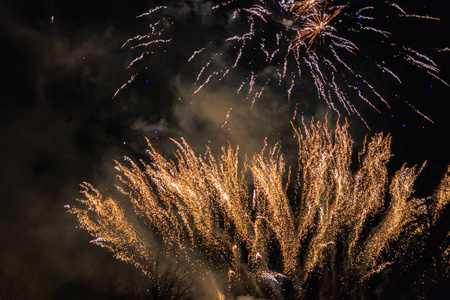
59, 126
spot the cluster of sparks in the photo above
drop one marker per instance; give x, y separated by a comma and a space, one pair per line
318, 218
287, 41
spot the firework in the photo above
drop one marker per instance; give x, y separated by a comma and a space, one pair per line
292, 44
317, 219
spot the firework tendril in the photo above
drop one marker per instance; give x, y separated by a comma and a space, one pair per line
318, 219
293, 43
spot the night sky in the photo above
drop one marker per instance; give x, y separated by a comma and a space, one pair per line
61, 63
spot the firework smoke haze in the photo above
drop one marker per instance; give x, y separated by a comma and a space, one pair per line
321, 219
323, 45
64, 60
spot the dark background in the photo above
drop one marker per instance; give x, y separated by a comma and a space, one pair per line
59, 126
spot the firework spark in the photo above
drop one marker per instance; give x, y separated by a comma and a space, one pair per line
291, 43
318, 219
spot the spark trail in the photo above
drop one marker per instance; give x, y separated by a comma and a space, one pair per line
328, 44
318, 219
